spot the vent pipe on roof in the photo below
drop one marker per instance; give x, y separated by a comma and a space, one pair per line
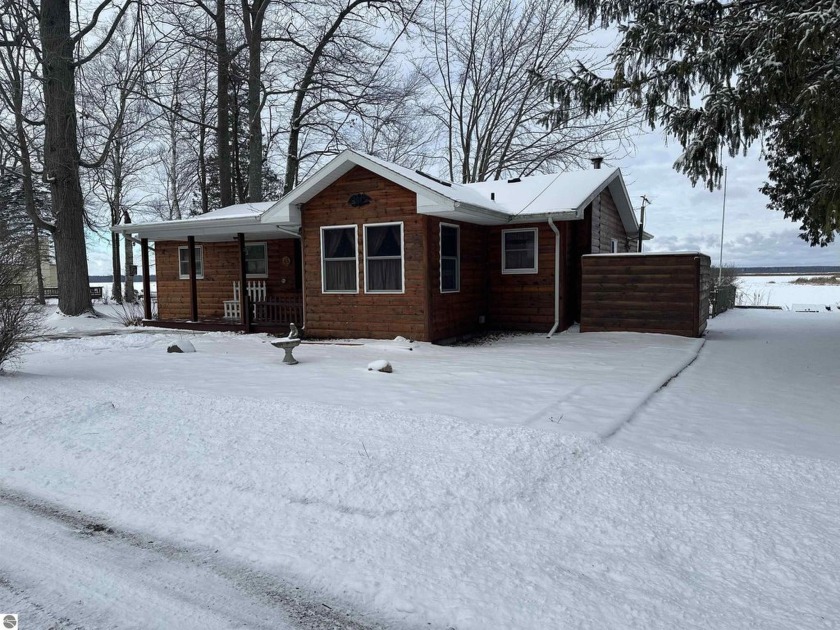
596, 162
492, 196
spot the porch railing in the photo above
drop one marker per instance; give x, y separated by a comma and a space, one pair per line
284, 310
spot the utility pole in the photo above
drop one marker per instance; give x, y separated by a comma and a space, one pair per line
645, 203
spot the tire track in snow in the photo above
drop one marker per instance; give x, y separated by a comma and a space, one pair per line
69, 570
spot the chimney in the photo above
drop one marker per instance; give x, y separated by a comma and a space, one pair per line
596, 162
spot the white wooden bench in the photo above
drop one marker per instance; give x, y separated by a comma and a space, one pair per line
256, 293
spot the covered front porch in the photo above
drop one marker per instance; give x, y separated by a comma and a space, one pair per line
223, 271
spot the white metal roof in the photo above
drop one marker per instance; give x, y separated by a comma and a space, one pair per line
563, 197
237, 210
216, 225
545, 194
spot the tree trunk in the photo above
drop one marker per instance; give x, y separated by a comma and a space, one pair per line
129, 293
254, 20
223, 106
202, 171
116, 270
174, 201
203, 184
39, 273
61, 158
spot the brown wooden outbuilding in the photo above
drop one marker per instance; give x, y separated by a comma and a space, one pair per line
650, 292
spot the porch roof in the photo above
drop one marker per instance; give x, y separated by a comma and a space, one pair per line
218, 225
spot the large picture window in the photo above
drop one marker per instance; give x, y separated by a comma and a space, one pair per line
519, 251
450, 258
184, 262
339, 260
384, 258
256, 260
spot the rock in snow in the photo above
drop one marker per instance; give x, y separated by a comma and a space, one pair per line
182, 346
380, 366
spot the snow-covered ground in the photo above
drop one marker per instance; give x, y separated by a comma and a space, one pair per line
110, 316
520, 484
782, 291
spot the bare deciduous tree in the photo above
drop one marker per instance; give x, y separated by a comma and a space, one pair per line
112, 108
334, 63
63, 52
487, 108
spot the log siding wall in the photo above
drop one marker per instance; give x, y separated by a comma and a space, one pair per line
457, 314
607, 225
378, 316
504, 301
221, 270
525, 301
662, 293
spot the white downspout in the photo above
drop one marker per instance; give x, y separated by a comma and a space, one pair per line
556, 278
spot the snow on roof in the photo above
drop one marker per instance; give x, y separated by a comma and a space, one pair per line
494, 202
239, 210
545, 194
245, 217
461, 193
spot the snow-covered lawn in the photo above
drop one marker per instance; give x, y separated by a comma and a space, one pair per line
785, 292
474, 487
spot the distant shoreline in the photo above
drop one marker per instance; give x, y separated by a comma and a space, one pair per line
786, 271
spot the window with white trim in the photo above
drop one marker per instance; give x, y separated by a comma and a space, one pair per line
384, 258
339, 259
184, 262
613, 246
519, 251
450, 258
256, 260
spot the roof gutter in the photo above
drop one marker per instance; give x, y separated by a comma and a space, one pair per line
166, 226
486, 213
289, 232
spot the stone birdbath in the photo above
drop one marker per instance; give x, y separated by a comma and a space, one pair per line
289, 343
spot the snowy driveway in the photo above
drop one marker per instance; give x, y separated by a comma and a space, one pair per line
61, 571
715, 507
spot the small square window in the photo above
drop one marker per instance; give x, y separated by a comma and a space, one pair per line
519, 251
184, 262
614, 246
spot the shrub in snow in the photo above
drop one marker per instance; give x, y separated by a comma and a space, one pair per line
380, 366
181, 346
130, 314
18, 314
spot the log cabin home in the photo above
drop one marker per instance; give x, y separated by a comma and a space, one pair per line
367, 248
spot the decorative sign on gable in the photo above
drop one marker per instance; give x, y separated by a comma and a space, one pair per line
358, 200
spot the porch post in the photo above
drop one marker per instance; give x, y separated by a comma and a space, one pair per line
244, 306
147, 283
193, 284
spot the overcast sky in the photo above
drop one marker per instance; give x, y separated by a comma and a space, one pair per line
684, 218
